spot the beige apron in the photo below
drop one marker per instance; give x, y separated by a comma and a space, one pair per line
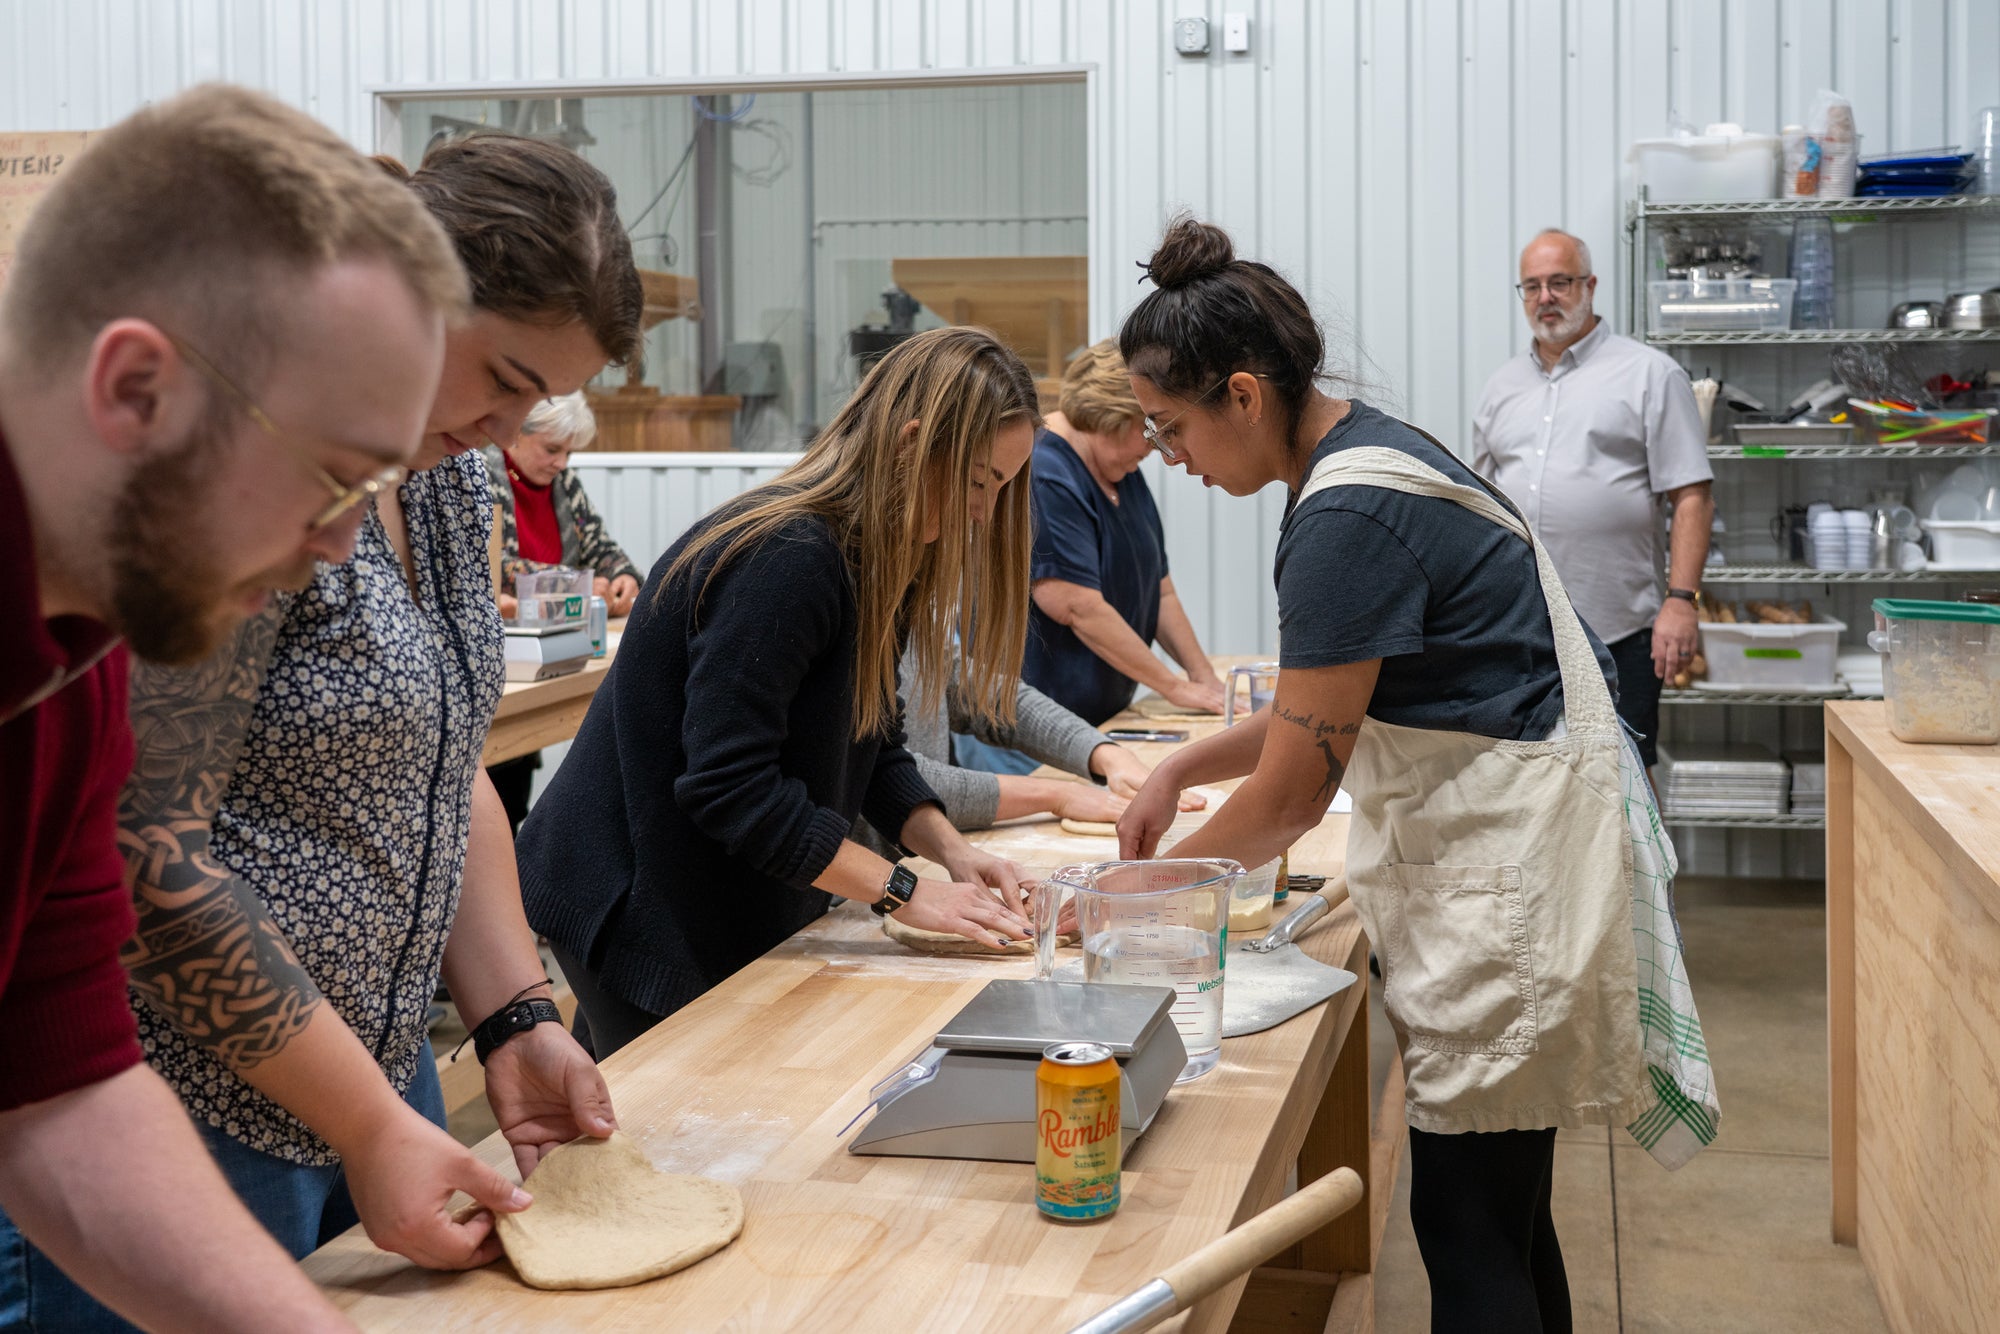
1494, 878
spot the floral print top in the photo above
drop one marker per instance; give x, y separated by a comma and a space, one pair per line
350, 809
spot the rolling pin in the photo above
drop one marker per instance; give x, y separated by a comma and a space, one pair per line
1234, 1253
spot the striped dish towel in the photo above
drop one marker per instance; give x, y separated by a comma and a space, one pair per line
1686, 1115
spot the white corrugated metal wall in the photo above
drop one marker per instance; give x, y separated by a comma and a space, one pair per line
1391, 155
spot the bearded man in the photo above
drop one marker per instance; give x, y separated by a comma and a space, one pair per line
1587, 433
148, 499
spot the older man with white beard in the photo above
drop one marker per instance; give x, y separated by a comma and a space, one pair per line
1586, 432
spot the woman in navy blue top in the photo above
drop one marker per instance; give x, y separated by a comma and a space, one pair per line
1102, 592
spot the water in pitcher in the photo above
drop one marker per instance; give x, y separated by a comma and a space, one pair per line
1188, 959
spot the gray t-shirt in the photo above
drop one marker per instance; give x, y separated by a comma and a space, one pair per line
1583, 450
1449, 601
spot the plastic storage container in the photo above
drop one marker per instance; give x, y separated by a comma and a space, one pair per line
1721, 305
1881, 424
1750, 656
1812, 269
1721, 163
1971, 545
1250, 908
1940, 669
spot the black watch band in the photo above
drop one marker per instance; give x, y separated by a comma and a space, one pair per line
1685, 595
511, 1021
896, 894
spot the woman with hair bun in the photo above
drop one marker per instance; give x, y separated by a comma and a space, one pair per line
1431, 663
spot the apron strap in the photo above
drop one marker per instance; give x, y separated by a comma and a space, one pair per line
1587, 707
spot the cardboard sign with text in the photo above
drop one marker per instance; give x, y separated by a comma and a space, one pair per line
29, 166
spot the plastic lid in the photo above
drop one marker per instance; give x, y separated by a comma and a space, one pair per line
1915, 609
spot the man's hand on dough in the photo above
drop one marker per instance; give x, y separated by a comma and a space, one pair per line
546, 1091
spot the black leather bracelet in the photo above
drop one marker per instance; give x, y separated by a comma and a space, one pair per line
510, 1021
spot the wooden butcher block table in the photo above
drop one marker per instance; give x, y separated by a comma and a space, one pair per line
752, 1084
534, 714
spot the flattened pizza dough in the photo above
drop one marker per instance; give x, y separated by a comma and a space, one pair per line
1089, 828
1160, 709
946, 942
604, 1217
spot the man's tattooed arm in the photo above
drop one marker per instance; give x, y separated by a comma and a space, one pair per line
207, 955
1320, 731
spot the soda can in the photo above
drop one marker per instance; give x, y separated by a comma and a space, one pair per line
600, 621
1077, 1140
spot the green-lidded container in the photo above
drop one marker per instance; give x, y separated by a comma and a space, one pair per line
1940, 669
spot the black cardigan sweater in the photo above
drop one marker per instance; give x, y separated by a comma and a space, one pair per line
714, 776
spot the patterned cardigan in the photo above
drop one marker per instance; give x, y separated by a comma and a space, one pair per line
585, 544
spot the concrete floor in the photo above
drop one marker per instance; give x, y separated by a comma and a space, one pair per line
1738, 1239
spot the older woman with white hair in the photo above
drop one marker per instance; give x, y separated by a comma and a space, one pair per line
545, 518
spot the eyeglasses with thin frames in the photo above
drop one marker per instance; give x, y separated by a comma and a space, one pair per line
1558, 284
1156, 432
344, 497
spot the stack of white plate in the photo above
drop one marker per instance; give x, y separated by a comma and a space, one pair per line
1808, 781
1861, 668
1735, 779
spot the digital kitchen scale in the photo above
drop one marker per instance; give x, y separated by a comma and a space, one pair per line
538, 652
972, 1093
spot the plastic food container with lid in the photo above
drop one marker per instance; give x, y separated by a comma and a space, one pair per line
1720, 163
1940, 669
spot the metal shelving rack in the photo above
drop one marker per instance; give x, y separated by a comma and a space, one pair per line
1640, 216
1806, 574
1771, 697
1744, 821
1805, 337
1811, 452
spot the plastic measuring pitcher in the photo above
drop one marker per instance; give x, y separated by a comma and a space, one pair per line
1263, 678
1161, 924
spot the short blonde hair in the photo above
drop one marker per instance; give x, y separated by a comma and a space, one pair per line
204, 212
566, 418
1096, 395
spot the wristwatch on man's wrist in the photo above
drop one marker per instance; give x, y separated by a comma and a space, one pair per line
1687, 595
510, 1021
897, 893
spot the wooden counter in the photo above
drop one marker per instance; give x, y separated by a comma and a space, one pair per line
753, 1083
1913, 991
534, 714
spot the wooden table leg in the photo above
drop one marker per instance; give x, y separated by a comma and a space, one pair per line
1339, 1137
1841, 1067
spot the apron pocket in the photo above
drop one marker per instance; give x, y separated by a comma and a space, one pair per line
1460, 977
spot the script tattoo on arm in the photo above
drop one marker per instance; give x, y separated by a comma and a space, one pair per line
206, 955
1320, 731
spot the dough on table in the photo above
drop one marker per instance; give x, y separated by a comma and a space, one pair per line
1160, 709
1089, 828
604, 1217
947, 942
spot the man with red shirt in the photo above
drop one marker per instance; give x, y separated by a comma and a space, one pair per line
221, 333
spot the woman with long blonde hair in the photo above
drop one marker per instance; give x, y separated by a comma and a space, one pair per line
702, 815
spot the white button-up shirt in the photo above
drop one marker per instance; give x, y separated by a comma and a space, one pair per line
1584, 449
